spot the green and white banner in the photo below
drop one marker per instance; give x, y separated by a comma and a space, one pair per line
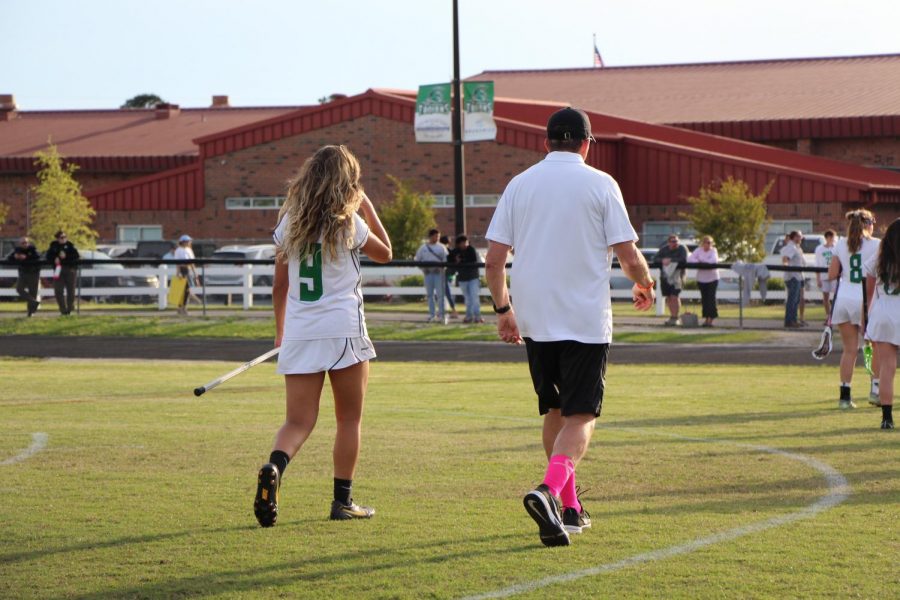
432, 122
478, 111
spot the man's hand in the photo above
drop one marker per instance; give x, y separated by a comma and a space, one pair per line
507, 328
643, 297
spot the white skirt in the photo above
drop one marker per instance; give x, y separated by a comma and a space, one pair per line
884, 321
315, 356
847, 309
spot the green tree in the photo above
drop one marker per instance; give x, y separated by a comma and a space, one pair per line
4, 212
735, 218
59, 203
407, 218
143, 101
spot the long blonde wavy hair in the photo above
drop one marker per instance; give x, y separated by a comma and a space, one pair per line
856, 228
321, 201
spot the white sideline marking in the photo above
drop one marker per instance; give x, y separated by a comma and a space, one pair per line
38, 443
838, 491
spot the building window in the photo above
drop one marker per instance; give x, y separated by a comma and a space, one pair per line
471, 200
254, 203
139, 233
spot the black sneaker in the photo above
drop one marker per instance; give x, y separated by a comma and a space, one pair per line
575, 521
887, 424
265, 506
343, 512
543, 507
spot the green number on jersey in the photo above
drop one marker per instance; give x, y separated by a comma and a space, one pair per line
311, 275
856, 268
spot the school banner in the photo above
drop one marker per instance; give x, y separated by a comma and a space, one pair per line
432, 121
478, 111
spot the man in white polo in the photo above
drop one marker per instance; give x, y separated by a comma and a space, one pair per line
564, 219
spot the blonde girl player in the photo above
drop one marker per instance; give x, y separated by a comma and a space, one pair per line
319, 321
850, 254
883, 281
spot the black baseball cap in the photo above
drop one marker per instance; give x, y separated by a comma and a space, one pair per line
569, 124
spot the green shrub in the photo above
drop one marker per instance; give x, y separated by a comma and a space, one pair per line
412, 281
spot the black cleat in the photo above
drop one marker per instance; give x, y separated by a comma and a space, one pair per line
344, 512
575, 521
543, 507
265, 506
887, 424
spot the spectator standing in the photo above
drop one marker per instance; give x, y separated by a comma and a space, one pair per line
433, 251
707, 279
792, 256
28, 262
850, 255
672, 257
467, 259
562, 217
185, 251
448, 279
63, 255
883, 284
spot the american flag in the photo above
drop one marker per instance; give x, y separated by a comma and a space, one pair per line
598, 60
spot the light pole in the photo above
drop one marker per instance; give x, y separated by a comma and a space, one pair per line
459, 173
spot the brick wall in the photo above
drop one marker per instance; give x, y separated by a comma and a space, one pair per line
871, 152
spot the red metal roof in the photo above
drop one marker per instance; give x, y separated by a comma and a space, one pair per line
655, 164
816, 88
137, 134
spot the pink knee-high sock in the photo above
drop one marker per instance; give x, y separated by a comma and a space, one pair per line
559, 470
569, 496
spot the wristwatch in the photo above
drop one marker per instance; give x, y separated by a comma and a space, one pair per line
502, 309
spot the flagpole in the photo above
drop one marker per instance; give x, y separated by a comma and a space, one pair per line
458, 158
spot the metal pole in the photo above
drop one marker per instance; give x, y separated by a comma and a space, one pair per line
741, 301
459, 173
203, 283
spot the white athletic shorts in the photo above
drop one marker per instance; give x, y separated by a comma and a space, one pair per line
884, 321
847, 310
827, 286
315, 356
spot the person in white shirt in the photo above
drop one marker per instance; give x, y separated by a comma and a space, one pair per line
850, 254
824, 252
707, 279
433, 251
184, 251
792, 256
563, 219
319, 322
883, 284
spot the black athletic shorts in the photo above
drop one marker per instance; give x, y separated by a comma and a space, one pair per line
568, 375
668, 289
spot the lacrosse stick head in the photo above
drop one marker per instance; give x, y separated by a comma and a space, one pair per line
824, 348
867, 357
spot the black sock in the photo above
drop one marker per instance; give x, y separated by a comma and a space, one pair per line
342, 490
280, 460
845, 392
885, 413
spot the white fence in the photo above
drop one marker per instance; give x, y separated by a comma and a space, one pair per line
150, 284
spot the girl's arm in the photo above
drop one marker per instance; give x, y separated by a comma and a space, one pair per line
378, 246
279, 298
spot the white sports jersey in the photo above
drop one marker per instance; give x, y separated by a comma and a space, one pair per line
561, 216
884, 317
324, 298
852, 265
823, 255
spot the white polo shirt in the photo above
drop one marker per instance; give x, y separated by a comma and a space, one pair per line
324, 298
561, 216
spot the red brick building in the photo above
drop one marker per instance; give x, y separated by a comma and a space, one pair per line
218, 173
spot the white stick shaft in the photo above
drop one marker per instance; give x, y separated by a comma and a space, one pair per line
241, 369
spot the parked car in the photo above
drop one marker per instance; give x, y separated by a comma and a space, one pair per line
808, 245
215, 276
119, 278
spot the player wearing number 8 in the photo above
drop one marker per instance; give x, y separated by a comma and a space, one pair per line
850, 254
319, 320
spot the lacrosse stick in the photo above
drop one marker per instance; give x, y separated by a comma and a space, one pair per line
215, 382
825, 346
867, 347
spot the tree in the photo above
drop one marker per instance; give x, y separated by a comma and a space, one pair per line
407, 218
4, 211
143, 101
59, 203
735, 218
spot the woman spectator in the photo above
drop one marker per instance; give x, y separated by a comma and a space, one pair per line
850, 254
707, 279
883, 284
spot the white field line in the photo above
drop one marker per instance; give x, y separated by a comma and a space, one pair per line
838, 490
38, 443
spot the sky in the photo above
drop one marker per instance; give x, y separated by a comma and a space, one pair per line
65, 54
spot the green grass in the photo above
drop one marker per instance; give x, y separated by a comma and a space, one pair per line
144, 491
263, 327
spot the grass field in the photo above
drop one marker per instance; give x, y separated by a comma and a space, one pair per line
144, 491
